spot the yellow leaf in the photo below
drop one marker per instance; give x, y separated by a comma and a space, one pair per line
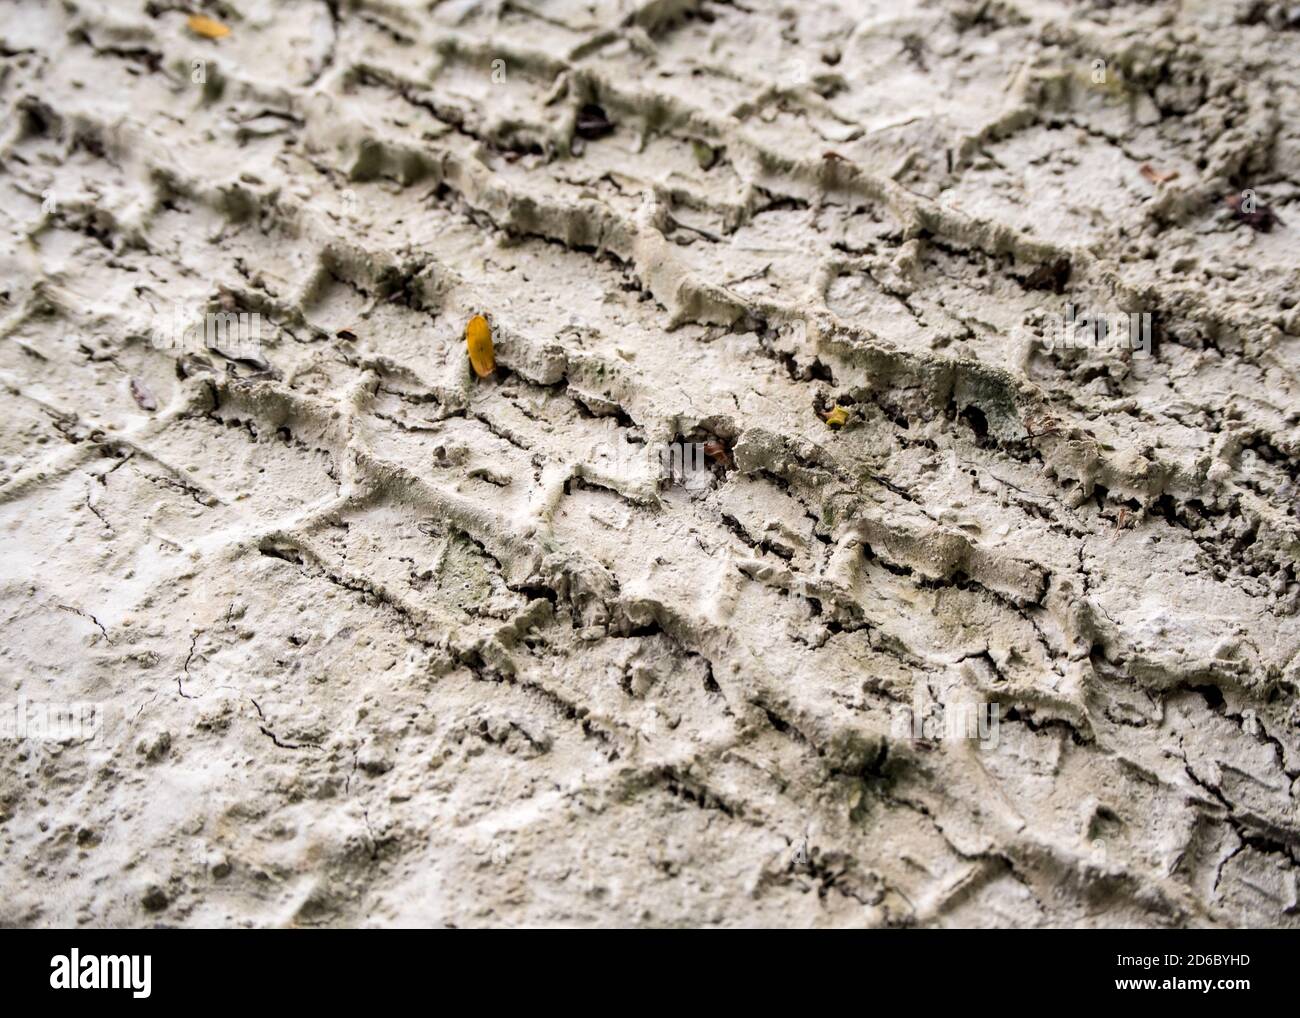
478, 338
838, 417
207, 27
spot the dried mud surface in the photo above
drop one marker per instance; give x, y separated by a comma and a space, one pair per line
381, 644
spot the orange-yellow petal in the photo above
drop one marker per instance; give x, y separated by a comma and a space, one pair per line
478, 338
838, 417
207, 27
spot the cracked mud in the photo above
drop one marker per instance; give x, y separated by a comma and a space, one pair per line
379, 642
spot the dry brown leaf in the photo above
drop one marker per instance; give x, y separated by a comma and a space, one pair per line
1155, 176
207, 27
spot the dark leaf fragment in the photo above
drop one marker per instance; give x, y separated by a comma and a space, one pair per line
1049, 276
1254, 214
592, 123
143, 396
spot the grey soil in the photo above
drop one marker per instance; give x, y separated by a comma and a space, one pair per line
379, 643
